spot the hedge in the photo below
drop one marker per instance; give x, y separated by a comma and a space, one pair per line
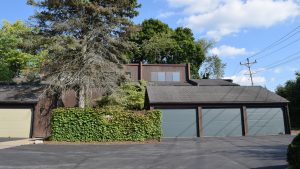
104, 124
293, 154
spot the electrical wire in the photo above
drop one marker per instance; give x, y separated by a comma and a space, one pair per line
278, 49
282, 39
281, 62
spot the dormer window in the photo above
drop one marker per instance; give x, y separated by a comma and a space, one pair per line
165, 76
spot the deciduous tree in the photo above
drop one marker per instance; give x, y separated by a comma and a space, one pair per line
17, 55
156, 42
291, 91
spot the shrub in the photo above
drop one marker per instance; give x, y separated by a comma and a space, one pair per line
104, 124
130, 95
293, 154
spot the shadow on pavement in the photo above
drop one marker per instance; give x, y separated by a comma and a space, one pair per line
2, 139
273, 167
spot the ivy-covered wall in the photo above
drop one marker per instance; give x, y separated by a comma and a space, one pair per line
111, 123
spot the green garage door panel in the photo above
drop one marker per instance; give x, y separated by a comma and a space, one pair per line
179, 123
265, 121
15, 123
222, 122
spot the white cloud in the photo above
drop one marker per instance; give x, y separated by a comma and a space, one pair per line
230, 51
218, 18
166, 14
244, 80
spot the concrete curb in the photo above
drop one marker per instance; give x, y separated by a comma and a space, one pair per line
15, 143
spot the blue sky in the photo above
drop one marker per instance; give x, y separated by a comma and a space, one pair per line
240, 29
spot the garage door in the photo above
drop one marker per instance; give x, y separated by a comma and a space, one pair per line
15, 123
222, 122
179, 123
265, 121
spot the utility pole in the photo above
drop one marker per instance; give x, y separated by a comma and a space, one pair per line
248, 64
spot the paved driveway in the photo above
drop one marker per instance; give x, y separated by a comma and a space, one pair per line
211, 153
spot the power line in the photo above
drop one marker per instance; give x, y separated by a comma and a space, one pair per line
279, 49
282, 39
281, 62
271, 67
248, 64
285, 58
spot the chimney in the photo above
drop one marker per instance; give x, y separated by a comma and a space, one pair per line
188, 71
228, 80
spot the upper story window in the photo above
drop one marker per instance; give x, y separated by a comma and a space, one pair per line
165, 76
176, 76
161, 76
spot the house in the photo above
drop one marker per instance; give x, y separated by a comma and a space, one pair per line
20, 110
209, 107
201, 111
191, 108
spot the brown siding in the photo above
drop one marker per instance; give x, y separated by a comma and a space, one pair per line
69, 98
143, 71
133, 69
41, 126
42, 117
147, 69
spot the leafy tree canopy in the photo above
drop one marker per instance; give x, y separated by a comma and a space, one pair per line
17, 57
291, 91
212, 68
156, 42
87, 41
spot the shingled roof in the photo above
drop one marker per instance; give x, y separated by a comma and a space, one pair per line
169, 84
212, 82
211, 94
19, 94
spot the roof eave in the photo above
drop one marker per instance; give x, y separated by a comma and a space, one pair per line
193, 103
18, 102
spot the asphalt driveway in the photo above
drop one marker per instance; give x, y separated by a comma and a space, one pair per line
211, 153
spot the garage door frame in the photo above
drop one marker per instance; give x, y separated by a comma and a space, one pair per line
22, 106
243, 107
221, 106
285, 111
185, 107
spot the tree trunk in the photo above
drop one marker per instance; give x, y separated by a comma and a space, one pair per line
81, 96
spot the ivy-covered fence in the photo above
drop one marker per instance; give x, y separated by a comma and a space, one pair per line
104, 124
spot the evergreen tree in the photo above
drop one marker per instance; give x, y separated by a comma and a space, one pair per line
87, 41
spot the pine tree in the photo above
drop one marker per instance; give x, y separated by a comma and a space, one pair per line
87, 41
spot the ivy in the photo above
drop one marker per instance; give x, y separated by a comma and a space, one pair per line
111, 123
